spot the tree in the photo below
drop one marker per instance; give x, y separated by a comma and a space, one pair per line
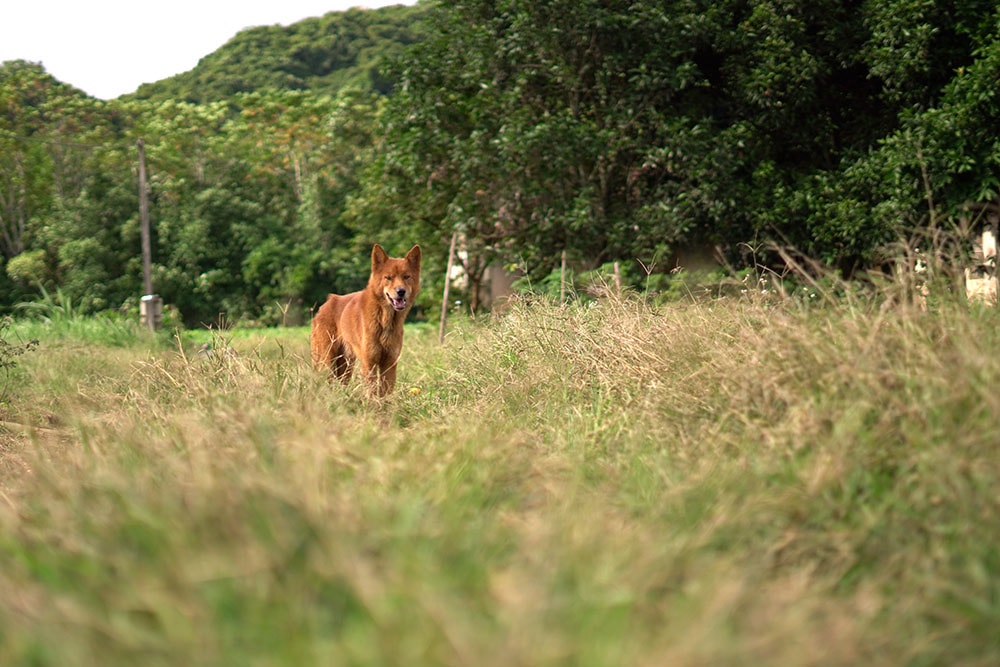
524, 126
628, 129
309, 148
25, 170
938, 160
53, 138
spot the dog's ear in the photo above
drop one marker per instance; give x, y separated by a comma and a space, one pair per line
413, 257
378, 257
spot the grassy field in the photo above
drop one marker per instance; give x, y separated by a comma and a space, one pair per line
723, 482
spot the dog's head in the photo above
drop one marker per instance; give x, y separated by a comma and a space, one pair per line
397, 278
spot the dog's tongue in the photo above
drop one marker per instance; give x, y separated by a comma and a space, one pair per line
398, 304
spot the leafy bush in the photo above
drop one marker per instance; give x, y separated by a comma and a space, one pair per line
9, 354
56, 316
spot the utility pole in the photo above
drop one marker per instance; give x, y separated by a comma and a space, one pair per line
151, 306
147, 249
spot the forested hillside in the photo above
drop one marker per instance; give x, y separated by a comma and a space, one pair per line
613, 131
323, 54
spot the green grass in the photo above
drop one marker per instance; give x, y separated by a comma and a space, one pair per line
724, 482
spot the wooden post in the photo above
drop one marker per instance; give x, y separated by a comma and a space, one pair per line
618, 279
447, 288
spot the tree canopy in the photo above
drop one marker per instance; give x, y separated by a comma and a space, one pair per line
619, 129
323, 54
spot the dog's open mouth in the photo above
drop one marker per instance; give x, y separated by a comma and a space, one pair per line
398, 304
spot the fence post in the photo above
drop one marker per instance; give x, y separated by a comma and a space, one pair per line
447, 288
562, 279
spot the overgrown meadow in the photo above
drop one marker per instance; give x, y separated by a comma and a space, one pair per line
724, 481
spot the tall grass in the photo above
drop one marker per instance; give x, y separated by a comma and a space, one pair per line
720, 482
55, 317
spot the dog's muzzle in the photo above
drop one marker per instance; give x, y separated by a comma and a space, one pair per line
399, 301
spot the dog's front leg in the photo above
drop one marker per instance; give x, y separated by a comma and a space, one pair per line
387, 379
372, 378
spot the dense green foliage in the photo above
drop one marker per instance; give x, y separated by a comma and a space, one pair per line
324, 54
718, 483
625, 129
613, 131
244, 205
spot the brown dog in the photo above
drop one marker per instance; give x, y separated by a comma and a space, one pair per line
367, 326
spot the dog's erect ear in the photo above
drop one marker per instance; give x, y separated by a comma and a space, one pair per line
378, 257
413, 257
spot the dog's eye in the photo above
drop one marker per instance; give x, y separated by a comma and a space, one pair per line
388, 277
406, 277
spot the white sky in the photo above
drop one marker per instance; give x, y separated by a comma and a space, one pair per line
109, 47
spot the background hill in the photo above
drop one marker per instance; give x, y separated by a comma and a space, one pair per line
321, 54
